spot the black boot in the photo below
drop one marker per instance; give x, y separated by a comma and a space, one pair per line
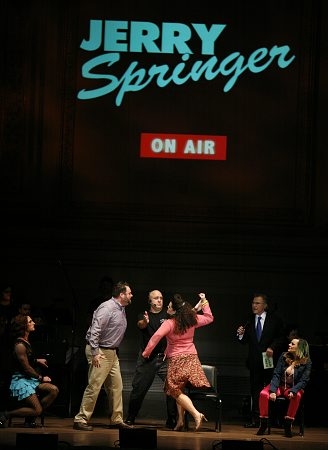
288, 427
263, 427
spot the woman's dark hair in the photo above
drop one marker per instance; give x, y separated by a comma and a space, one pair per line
19, 326
185, 316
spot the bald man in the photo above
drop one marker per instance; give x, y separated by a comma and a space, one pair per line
146, 369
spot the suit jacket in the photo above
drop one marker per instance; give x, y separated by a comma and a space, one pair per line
273, 336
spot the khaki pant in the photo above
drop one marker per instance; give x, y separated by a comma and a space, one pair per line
109, 375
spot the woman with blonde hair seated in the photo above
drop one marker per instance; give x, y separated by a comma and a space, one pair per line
289, 379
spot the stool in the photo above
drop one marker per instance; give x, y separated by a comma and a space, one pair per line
13, 403
41, 420
278, 408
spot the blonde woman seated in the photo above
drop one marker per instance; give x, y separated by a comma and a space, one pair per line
290, 377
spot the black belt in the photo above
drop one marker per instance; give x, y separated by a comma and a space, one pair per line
104, 346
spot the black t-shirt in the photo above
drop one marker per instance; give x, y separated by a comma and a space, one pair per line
155, 321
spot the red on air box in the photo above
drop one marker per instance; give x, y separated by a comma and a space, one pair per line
183, 146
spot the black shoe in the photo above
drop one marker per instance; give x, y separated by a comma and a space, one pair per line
129, 421
30, 422
252, 425
171, 423
30, 425
82, 426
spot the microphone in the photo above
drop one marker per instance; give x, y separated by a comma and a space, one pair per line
244, 327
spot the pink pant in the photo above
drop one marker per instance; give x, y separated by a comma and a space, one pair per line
281, 391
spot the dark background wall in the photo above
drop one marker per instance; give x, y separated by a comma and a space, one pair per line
78, 202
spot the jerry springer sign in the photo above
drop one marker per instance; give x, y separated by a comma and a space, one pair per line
194, 46
183, 146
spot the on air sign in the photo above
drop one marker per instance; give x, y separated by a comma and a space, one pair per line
183, 146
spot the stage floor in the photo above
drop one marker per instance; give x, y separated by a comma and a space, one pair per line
206, 439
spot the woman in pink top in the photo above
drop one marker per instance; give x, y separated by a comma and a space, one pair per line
183, 362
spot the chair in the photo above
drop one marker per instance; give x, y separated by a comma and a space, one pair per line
278, 409
208, 394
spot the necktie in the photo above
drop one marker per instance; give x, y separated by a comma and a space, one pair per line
258, 328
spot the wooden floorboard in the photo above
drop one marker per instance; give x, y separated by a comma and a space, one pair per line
205, 439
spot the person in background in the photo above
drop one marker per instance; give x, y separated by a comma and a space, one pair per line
104, 337
146, 369
7, 301
184, 365
8, 310
23, 308
34, 391
270, 341
290, 378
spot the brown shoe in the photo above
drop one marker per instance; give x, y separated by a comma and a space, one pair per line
82, 426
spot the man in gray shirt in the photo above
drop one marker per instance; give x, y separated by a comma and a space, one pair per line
103, 337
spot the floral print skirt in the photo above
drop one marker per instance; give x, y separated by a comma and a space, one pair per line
182, 370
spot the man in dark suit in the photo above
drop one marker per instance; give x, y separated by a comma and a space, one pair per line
263, 333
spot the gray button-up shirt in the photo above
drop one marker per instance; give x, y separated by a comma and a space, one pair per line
108, 326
